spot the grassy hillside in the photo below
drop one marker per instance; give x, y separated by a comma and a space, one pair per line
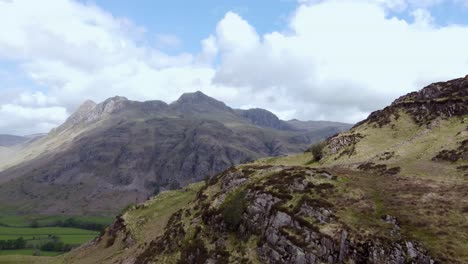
368, 205
139, 225
393, 189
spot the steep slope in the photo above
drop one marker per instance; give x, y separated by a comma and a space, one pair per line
111, 154
418, 128
392, 190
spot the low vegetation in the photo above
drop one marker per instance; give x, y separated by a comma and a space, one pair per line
232, 209
317, 150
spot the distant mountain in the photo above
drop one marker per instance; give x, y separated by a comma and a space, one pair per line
262, 117
108, 155
10, 140
393, 189
317, 125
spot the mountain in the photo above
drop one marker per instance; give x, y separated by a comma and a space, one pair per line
264, 118
108, 155
317, 125
10, 140
393, 189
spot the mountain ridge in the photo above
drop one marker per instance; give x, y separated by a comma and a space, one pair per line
120, 151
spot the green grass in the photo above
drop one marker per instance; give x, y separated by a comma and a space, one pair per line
28, 252
158, 210
145, 222
71, 236
21, 259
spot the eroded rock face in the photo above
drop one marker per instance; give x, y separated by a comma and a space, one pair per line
284, 233
337, 143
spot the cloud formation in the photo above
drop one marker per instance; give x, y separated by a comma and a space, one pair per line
337, 60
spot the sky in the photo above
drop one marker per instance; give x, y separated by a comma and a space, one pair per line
333, 60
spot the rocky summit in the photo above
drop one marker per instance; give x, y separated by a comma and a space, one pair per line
393, 189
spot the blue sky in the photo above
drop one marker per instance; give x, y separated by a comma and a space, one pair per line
333, 60
192, 21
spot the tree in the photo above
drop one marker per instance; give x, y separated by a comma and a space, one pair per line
34, 223
317, 150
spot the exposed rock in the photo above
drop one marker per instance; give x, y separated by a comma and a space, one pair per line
461, 153
379, 168
438, 100
286, 236
264, 118
337, 143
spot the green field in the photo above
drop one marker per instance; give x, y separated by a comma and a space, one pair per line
72, 236
28, 252
38, 230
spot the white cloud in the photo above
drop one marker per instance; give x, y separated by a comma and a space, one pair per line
19, 120
343, 59
337, 60
168, 41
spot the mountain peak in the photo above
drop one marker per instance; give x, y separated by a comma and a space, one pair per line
195, 97
200, 102
116, 98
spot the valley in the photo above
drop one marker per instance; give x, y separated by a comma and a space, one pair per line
391, 189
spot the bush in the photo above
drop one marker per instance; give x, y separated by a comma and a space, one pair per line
317, 150
18, 243
72, 222
233, 208
56, 246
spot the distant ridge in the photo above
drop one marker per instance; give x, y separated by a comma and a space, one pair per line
109, 154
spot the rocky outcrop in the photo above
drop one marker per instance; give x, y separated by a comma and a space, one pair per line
90, 112
284, 232
347, 141
461, 153
262, 117
438, 100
